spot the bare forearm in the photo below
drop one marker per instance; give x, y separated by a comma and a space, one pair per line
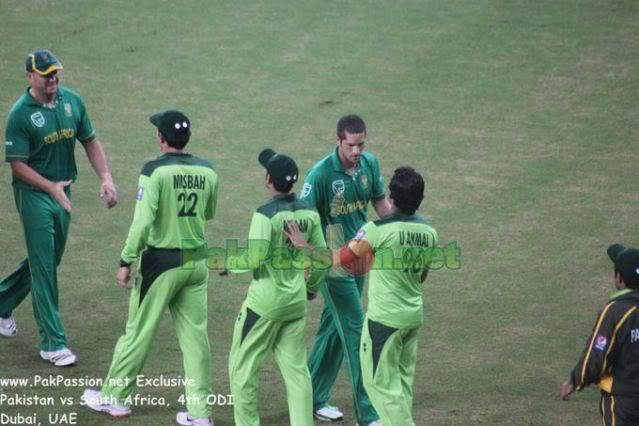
97, 158
26, 174
382, 207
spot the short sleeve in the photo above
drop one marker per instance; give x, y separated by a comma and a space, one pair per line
378, 181
311, 191
85, 132
16, 143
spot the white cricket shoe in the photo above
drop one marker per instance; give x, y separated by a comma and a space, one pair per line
328, 413
183, 418
8, 326
94, 400
60, 358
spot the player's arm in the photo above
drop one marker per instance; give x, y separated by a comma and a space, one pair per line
380, 203
212, 205
382, 206
97, 157
351, 253
318, 243
17, 154
25, 173
145, 211
593, 361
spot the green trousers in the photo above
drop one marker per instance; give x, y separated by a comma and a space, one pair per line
338, 338
45, 225
161, 283
253, 338
388, 358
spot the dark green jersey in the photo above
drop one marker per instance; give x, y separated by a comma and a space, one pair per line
340, 198
177, 194
278, 289
401, 245
44, 138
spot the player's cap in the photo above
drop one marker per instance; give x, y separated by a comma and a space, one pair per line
281, 167
626, 262
42, 62
174, 125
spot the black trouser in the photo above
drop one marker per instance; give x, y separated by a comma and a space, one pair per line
619, 410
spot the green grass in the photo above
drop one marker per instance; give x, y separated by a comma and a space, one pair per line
521, 114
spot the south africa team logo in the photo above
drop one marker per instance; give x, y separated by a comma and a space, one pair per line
363, 181
338, 187
37, 119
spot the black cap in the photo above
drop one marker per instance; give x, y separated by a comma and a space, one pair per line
174, 125
282, 168
42, 62
626, 262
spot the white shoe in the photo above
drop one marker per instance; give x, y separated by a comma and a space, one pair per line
94, 400
8, 326
183, 418
60, 358
328, 414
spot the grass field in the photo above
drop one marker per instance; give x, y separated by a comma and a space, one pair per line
523, 116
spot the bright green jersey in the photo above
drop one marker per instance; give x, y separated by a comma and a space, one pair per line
44, 138
342, 199
177, 194
278, 290
401, 245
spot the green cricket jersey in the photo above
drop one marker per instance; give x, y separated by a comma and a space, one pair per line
44, 138
177, 194
342, 199
401, 245
278, 290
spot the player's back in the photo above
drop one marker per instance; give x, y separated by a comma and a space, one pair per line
278, 289
183, 190
403, 246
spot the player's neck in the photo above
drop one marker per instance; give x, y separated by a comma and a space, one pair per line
349, 167
170, 150
43, 98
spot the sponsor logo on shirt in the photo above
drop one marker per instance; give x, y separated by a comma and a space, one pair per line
306, 190
601, 342
59, 135
67, 110
140, 194
338, 187
37, 119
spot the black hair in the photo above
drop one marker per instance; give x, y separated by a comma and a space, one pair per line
406, 190
630, 282
350, 124
177, 143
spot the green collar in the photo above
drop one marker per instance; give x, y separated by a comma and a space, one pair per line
623, 292
31, 101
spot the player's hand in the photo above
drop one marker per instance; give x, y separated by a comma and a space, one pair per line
58, 194
124, 275
566, 389
108, 192
295, 236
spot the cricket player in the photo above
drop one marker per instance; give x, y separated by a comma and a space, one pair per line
611, 357
403, 244
177, 194
340, 186
273, 316
42, 129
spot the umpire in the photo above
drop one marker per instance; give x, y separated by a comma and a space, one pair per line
611, 357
